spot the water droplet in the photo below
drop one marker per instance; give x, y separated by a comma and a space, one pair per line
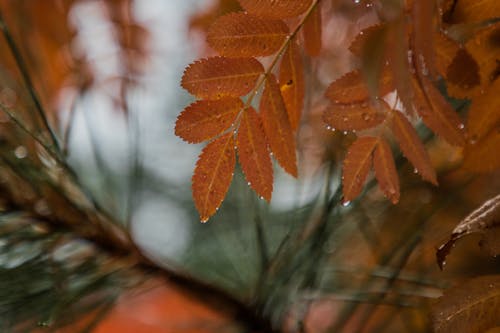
261, 198
473, 139
366, 116
346, 203
21, 152
415, 170
249, 183
204, 220
461, 126
345, 119
345, 132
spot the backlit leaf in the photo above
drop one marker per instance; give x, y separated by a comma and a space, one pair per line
213, 174
484, 114
254, 155
351, 88
216, 77
438, 114
484, 220
312, 32
462, 75
424, 27
203, 120
352, 117
277, 126
385, 171
244, 35
356, 166
482, 155
466, 11
365, 36
472, 307
291, 79
412, 147
277, 9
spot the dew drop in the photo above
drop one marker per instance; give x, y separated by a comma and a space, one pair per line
346, 203
261, 198
366, 116
21, 152
461, 126
204, 220
345, 132
473, 140
249, 183
415, 170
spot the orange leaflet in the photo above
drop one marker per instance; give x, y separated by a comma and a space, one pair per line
351, 88
438, 114
412, 147
277, 126
205, 119
357, 164
463, 80
291, 78
482, 155
253, 154
215, 77
312, 32
244, 35
446, 49
484, 112
385, 171
353, 117
277, 9
365, 36
468, 11
213, 174
424, 27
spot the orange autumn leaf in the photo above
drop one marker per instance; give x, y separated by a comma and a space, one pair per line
277, 9
351, 88
424, 27
212, 175
446, 49
437, 113
385, 171
215, 77
243, 35
357, 164
254, 155
484, 115
312, 32
353, 117
462, 75
468, 11
365, 36
291, 79
412, 147
482, 155
203, 120
277, 126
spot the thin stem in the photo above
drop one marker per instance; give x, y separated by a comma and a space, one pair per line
23, 68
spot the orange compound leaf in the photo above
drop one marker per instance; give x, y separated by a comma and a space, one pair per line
243, 35
276, 9
277, 126
438, 114
312, 32
385, 171
365, 36
353, 117
216, 77
203, 120
484, 113
351, 88
291, 78
213, 174
412, 147
357, 164
254, 155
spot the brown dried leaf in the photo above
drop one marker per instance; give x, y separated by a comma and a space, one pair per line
484, 113
462, 75
472, 307
482, 155
356, 166
312, 32
277, 126
216, 77
253, 154
385, 171
446, 49
213, 174
351, 88
277, 9
291, 78
244, 35
203, 120
353, 117
438, 114
412, 147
